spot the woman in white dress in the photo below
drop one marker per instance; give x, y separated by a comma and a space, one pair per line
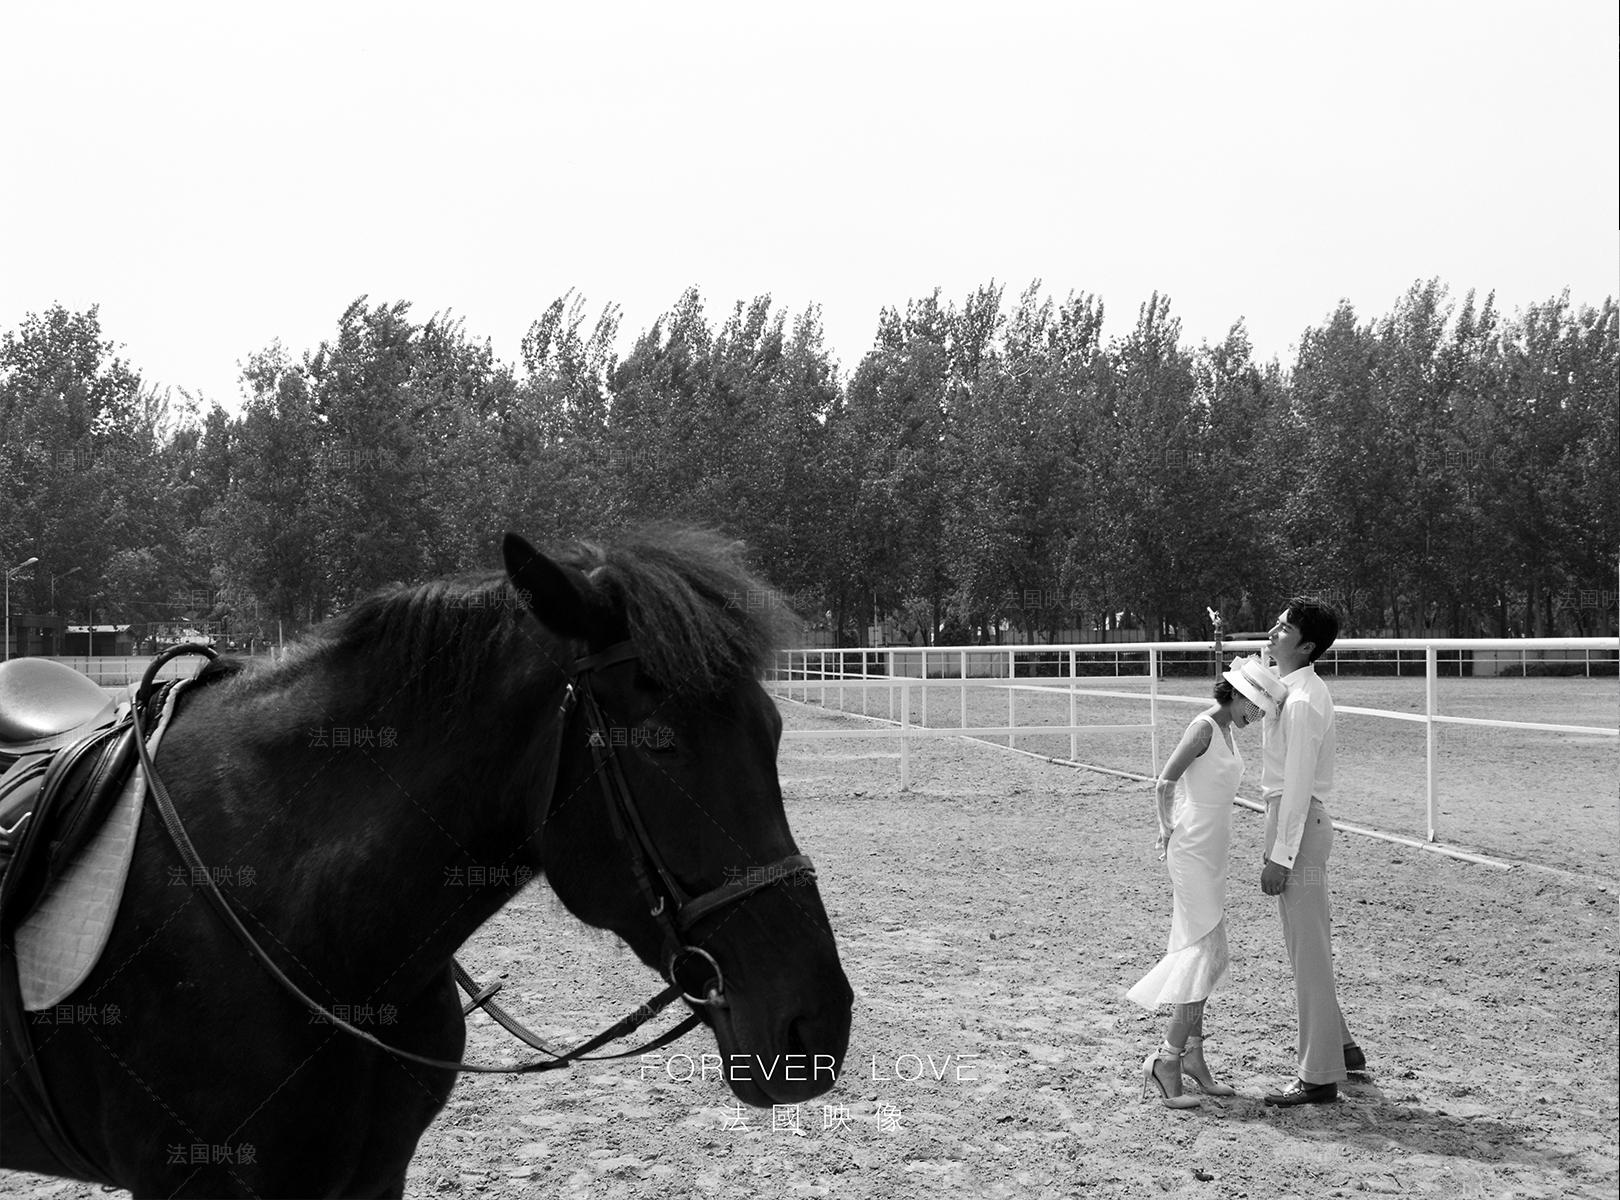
1195, 829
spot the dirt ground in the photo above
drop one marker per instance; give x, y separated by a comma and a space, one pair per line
990, 920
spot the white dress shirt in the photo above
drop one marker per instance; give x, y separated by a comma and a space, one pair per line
1298, 758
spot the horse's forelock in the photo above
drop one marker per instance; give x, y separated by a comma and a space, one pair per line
699, 619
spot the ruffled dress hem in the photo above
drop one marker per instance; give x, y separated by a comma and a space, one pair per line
1185, 975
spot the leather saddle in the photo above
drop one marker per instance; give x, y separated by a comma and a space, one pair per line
64, 756
66, 753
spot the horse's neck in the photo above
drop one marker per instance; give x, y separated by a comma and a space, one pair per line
375, 828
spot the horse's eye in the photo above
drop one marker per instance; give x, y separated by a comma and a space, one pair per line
659, 739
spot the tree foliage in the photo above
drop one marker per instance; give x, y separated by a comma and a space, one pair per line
991, 468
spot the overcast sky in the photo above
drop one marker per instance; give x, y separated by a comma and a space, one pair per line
216, 180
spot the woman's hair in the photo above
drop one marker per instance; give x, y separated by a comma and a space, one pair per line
1224, 692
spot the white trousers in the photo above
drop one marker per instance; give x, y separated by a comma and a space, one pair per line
1308, 932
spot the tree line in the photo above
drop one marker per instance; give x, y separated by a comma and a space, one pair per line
991, 469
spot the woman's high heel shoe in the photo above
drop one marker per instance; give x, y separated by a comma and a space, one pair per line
1155, 1084
1193, 1065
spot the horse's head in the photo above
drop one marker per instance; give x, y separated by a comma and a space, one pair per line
670, 830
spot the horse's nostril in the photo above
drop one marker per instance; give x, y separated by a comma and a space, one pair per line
823, 1034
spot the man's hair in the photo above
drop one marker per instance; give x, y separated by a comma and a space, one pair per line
1317, 622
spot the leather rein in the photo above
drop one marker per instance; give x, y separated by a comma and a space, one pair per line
667, 902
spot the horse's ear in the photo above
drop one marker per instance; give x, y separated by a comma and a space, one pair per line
554, 593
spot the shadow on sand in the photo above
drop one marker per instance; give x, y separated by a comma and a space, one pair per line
1366, 1117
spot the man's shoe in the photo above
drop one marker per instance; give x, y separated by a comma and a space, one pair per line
1354, 1059
1304, 1093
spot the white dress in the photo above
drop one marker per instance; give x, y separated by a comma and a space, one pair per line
1196, 960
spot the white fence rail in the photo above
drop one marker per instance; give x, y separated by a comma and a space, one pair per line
902, 672
120, 671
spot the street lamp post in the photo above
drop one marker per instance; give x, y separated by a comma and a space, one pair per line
9, 573
90, 625
54, 578
56, 630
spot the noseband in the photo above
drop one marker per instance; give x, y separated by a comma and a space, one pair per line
668, 903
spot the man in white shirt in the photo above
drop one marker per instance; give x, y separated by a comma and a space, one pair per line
1296, 781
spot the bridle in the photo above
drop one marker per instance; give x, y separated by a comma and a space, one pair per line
667, 902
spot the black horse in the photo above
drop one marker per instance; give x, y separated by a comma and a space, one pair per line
595, 717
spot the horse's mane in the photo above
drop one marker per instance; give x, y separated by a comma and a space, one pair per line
698, 618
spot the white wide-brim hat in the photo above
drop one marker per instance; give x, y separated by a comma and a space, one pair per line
1258, 682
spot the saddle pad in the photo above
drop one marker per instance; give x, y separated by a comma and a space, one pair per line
59, 942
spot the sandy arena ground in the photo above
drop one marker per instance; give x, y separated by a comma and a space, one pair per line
990, 920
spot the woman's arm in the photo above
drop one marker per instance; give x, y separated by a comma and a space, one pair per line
1193, 743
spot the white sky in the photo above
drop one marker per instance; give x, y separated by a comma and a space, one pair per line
215, 181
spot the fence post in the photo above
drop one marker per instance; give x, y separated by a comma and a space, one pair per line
1429, 663
1074, 738
905, 736
889, 660
963, 723
1153, 704
1012, 677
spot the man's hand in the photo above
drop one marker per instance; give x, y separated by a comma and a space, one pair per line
1273, 878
